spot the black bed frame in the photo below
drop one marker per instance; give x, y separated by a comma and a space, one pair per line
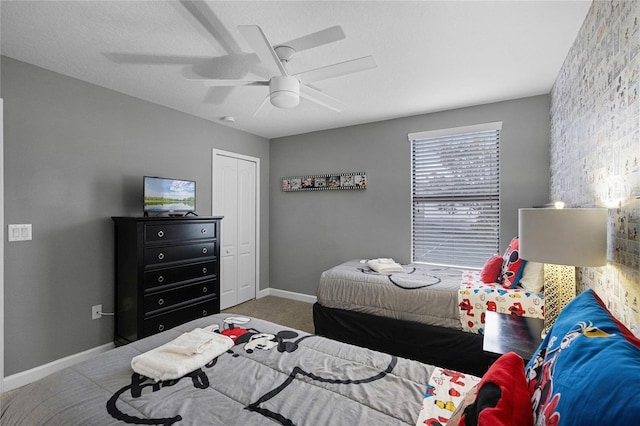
440, 346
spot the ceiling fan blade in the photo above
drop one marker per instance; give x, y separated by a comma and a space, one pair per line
326, 36
205, 21
199, 12
337, 70
321, 98
262, 107
260, 44
232, 67
217, 95
221, 82
146, 59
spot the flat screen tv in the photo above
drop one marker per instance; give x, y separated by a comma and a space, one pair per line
169, 196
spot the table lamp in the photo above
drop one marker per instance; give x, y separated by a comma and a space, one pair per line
562, 239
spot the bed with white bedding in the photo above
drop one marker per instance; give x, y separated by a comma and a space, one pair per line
269, 375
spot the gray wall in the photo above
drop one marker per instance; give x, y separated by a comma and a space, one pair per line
74, 156
312, 231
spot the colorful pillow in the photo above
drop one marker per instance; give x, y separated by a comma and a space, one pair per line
512, 265
491, 270
446, 392
586, 368
468, 400
502, 396
533, 277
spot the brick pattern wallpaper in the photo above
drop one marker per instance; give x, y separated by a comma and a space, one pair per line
595, 145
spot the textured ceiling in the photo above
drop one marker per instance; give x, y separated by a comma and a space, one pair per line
431, 55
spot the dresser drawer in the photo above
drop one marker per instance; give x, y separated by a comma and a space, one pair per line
157, 232
160, 255
165, 321
166, 276
163, 300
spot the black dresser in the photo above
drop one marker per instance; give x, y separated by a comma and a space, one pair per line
167, 273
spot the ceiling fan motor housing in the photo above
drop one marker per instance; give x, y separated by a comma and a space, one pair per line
285, 53
284, 91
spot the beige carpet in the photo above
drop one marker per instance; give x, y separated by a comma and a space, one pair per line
291, 313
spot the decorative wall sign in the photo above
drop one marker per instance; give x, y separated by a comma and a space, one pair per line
325, 182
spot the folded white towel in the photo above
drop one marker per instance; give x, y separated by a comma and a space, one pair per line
169, 361
384, 265
191, 343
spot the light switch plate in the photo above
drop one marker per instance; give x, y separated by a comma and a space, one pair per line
20, 232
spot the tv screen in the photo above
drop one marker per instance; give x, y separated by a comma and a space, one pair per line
169, 195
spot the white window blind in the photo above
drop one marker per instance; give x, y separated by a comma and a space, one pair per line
456, 195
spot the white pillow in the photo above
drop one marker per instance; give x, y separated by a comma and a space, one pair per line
533, 276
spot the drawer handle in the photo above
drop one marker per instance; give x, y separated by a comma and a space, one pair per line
160, 279
204, 250
204, 270
203, 230
161, 327
204, 289
204, 312
160, 302
160, 256
160, 234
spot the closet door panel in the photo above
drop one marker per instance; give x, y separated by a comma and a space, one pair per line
226, 204
246, 243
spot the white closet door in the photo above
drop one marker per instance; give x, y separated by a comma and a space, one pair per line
246, 231
225, 204
235, 198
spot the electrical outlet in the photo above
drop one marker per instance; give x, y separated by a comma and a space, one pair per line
96, 312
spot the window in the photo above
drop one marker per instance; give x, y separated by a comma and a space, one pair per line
456, 195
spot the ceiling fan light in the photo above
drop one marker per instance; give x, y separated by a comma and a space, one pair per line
284, 92
284, 99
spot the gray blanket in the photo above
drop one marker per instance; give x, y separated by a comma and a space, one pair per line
421, 293
273, 375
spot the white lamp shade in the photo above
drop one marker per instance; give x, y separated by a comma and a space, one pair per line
575, 237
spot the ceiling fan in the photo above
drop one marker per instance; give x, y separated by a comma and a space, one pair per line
232, 61
285, 90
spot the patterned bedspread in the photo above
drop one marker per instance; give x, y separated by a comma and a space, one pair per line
475, 298
273, 375
445, 393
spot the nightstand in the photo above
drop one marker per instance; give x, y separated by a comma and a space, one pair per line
511, 333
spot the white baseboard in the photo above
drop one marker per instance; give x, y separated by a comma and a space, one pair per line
287, 295
25, 377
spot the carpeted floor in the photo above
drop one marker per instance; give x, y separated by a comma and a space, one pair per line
292, 313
